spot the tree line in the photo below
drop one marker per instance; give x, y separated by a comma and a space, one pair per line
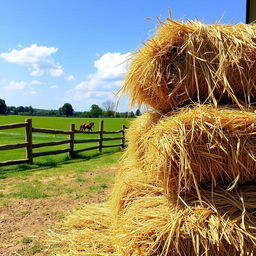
107, 110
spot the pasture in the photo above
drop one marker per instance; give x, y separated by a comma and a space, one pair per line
33, 198
13, 136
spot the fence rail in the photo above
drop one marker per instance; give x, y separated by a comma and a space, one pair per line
71, 141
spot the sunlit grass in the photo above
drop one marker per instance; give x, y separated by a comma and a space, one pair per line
13, 136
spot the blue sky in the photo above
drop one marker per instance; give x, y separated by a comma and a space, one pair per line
57, 51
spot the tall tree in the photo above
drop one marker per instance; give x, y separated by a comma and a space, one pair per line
96, 111
108, 105
30, 110
67, 109
20, 109
3, 106
11, 110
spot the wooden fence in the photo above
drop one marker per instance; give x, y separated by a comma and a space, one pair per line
71, 141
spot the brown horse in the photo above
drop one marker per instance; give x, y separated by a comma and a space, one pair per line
85, 126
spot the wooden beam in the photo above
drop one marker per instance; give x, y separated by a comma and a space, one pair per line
92, 132
51, 131
71, 139
250, 11
13, 146
123, 136
12, 126
28, 135
101, 135
12, 162
52, 143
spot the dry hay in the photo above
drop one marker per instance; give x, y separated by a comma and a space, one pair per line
130, 182
148, 222
196, 146
223, 223
193, 62
86, 232
136, 130
151, 223
205, 150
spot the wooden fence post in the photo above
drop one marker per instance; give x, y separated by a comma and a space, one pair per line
101, 135
28, 135
123, 136
71, 137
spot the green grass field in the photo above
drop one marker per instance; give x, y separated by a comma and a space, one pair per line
12, 136
34, 198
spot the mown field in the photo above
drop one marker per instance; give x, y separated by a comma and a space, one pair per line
35, 198
12, 136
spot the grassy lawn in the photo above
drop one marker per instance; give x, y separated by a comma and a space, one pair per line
33, 198
29, 179
12, 136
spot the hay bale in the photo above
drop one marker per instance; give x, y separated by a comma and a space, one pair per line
148, 222
199, 146
223, 223
136, 130
130, 183
86, 231
194, 62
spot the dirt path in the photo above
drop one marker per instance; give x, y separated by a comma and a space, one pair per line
24, 222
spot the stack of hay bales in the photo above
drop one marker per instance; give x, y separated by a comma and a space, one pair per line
187, 185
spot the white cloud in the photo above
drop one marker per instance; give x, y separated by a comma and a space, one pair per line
37, 58
108, 78
111, 65
53, 86
36, 82
92, 95
13, 85
70, 78
99, 84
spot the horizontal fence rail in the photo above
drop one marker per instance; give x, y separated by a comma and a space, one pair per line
92, 132
71, 141
12, 126
51, 131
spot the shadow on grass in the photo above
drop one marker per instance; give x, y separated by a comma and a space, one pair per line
78, 157
7, 171
48, 163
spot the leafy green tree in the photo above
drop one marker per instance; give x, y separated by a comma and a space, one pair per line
3, 107
60, 111
20, 109
11, 110
53, 113
26, 109
86, 114
30, 110
95, 111
67, 109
